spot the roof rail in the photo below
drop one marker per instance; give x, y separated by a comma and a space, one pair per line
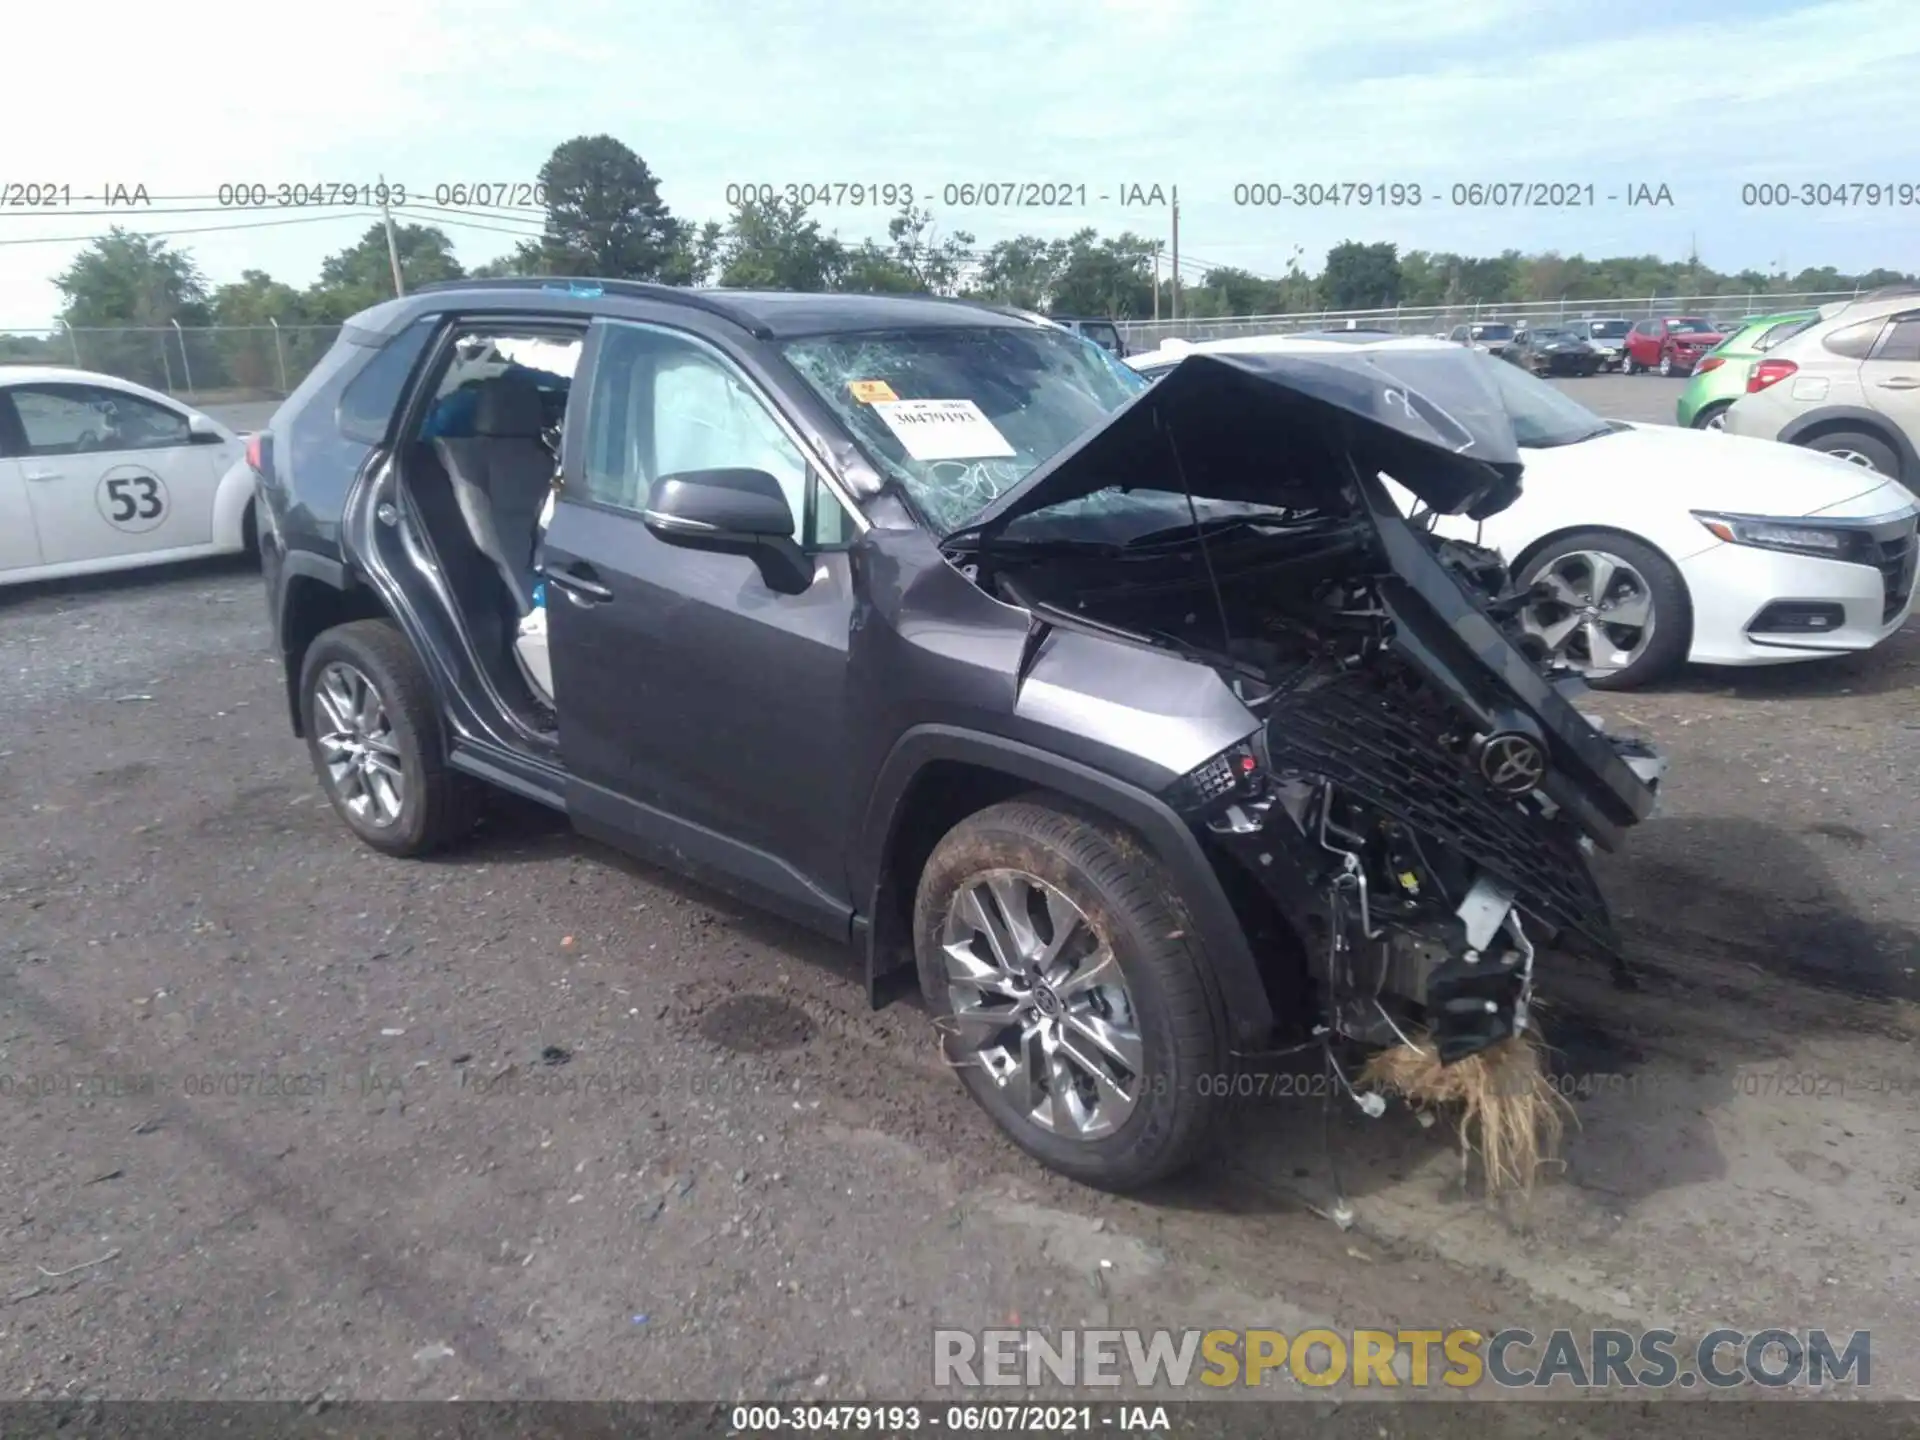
634, 289
1888, 292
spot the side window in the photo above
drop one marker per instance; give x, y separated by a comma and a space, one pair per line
1903, 345
1774, 334
77, 419
371, 397
1854, 341
663, 404
545, 361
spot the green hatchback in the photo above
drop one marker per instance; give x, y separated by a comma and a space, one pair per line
1721, 376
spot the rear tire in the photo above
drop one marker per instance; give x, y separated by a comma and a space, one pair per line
374, 735
1712, 417
1869, 452
1627, 367
1119, 902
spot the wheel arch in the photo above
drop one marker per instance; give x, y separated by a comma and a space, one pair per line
317, 594
936, 775
1807, 428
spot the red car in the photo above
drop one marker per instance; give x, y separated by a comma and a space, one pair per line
1672, 344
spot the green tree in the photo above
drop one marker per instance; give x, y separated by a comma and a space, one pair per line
1021, 272
526, 258
252, 353
129, 280
772, 245
362, 274
605, 216
1104, 277
1361, 277
696, 254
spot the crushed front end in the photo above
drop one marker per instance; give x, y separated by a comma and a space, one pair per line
1416, 796
1403, 814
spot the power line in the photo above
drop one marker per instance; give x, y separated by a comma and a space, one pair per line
342, 214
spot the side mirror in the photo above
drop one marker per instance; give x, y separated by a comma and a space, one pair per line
201, 430
738, 512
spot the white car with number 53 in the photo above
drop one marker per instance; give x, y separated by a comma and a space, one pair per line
1649, 545
98, 474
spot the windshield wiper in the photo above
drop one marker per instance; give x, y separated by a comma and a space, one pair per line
1220, 524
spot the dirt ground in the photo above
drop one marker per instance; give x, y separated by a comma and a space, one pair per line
289, 1119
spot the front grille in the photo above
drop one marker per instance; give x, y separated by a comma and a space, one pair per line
1894, 558
1378, 736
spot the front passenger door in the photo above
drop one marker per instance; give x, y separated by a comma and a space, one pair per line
701, 712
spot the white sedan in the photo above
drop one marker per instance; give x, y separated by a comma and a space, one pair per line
1651, 545
97, 474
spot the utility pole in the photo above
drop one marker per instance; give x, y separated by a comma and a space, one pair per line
393, 246
1174, 299
1156, 282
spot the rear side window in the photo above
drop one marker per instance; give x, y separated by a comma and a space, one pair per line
1786, 330
1855, 341
371, 397
1903, 344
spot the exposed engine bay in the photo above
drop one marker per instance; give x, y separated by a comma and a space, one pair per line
1398, 809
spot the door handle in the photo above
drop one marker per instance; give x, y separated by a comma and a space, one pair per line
42, 474
1901, 382
580, 585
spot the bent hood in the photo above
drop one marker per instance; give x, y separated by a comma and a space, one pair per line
1277, 429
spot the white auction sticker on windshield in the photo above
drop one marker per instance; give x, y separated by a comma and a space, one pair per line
944, 429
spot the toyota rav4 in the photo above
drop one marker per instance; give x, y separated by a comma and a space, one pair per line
1138, 724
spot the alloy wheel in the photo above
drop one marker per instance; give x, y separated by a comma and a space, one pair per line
1853, 457
1666, 364
1040, 1004
358, 746
1597, 614
1717, 420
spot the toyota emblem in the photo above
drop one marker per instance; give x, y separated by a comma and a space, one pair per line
1512, 764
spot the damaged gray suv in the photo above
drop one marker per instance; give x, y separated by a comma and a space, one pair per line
1137, 724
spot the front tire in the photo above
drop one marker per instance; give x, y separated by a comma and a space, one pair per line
1616, 609
1666, 365
1627, 365
1072, 996
373, 733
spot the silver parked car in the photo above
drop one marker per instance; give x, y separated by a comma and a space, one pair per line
1849, 385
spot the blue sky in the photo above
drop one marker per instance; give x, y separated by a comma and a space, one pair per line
1204, 94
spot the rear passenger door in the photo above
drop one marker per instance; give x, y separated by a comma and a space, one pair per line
701, 713
1890, 376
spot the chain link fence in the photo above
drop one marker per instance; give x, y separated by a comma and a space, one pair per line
235, 363
202, 364
1431, 319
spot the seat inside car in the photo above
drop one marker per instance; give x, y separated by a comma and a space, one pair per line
501, 476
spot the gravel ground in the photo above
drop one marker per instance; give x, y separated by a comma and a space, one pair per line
290, 1119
